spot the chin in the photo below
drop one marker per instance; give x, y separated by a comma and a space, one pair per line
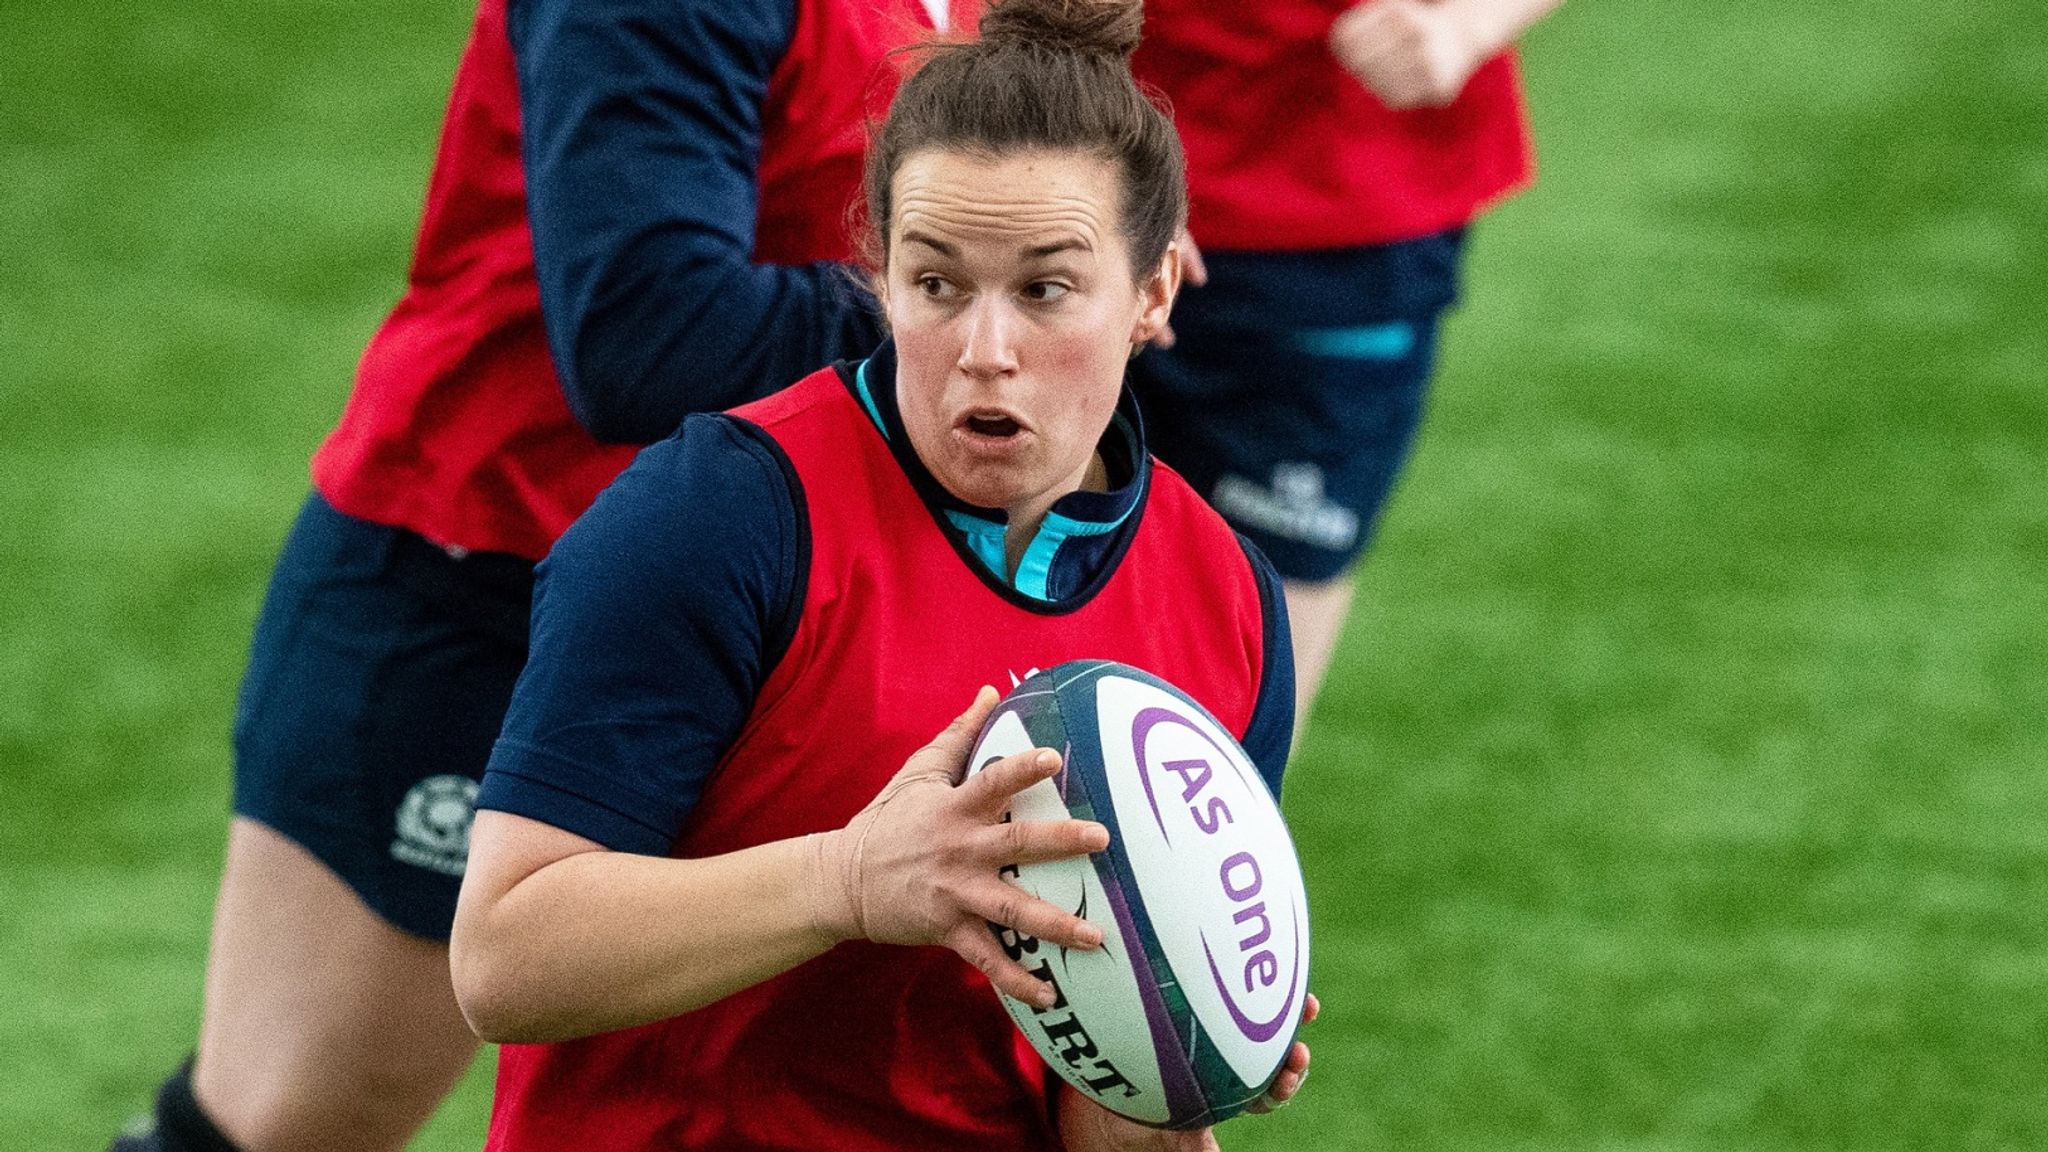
985, 495
983, 488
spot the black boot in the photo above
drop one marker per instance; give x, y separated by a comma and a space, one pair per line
177, 1125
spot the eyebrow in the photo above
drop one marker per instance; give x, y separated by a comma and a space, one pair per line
939, 246
1036, 252
1070, 244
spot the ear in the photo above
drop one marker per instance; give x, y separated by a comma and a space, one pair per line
1156, 295
878, 287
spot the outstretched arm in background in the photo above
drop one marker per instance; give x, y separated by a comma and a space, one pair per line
1419, 53
641, 127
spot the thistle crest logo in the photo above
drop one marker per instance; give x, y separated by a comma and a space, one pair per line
433, 824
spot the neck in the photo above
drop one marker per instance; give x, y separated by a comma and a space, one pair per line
1025, 518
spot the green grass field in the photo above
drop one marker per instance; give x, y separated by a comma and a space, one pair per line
1683, 783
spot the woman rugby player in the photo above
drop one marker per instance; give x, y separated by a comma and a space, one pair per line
709, 829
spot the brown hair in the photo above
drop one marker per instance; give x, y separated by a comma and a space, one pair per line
1045, 74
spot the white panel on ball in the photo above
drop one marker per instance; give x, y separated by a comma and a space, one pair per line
1204, 838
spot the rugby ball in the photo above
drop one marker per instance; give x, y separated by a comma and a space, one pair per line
1185, 1015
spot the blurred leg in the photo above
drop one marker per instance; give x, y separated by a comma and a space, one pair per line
1291, 401
378, 678
325, 1028
1316, 611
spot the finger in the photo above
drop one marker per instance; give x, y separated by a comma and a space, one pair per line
1012, 907
967, 725
1268, 1104
973, 944
1442, 94
948, 751
1349, 38
1038, 841
1274, 1100
1289, 1085
1365, 10
1390, 75
1369, 25
1402, 90
1293, 1074
1297, 1059
1311, 1009
989, 791
1388, 55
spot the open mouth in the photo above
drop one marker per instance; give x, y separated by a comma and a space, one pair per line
993, 425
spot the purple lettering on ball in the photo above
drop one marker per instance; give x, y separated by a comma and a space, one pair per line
1260, 934
1231, 867
1262, 969
1241, 877
1194, 774
1256, 1030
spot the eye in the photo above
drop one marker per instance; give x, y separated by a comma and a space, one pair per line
1045, 291
936, 287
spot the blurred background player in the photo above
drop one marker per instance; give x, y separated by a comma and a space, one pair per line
718, 820
1336, 154
688, 165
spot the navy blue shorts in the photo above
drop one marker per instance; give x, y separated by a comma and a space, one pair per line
1293, 393
378, 680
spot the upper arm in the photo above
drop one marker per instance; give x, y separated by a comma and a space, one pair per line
656, 620
505, 849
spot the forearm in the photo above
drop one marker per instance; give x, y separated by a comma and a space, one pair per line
599, 941
686, 323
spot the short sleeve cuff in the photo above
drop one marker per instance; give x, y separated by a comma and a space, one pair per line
527, 781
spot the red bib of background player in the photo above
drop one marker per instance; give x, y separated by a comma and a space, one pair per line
871, 1048
457, 429
1288, 151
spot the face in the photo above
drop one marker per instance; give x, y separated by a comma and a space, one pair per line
1010, 293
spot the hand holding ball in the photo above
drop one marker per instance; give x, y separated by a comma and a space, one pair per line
920, 864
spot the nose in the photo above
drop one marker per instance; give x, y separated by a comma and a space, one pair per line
989, 349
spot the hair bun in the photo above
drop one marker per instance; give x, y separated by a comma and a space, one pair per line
1099, 27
